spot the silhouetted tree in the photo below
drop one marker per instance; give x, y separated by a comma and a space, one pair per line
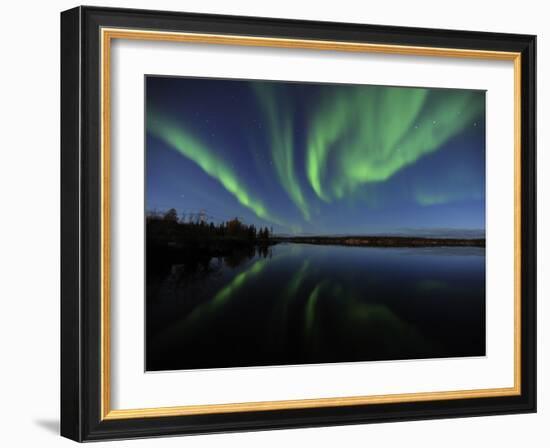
164, 228
235, 227
251, 232
171, 215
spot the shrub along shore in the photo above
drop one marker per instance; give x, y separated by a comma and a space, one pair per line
383, 241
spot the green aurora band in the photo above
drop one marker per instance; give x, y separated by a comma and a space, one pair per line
189, 146
238, 282
455, 184
435, 198
280, 121
311, 304
356, 137
297, 280
368, 133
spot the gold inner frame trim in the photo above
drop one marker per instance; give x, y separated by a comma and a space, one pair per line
107, 35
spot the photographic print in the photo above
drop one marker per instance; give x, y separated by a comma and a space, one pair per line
274, 224
292, 223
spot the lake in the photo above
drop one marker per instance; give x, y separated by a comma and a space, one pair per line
301, 304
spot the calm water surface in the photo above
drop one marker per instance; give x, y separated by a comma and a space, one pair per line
299, 304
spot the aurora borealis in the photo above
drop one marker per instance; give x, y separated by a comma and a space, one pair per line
312, 158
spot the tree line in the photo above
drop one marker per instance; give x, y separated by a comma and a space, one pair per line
169, 224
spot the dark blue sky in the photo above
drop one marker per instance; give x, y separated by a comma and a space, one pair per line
317, 158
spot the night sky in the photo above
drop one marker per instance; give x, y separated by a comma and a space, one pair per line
310, 158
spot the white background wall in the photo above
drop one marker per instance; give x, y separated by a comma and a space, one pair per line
29, 228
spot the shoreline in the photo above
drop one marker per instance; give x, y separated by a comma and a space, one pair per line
383, 241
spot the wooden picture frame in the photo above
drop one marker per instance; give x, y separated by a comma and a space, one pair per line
86, 36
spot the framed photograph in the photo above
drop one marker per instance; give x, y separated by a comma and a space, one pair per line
274, 224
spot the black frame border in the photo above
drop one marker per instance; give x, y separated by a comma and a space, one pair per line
81, 223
